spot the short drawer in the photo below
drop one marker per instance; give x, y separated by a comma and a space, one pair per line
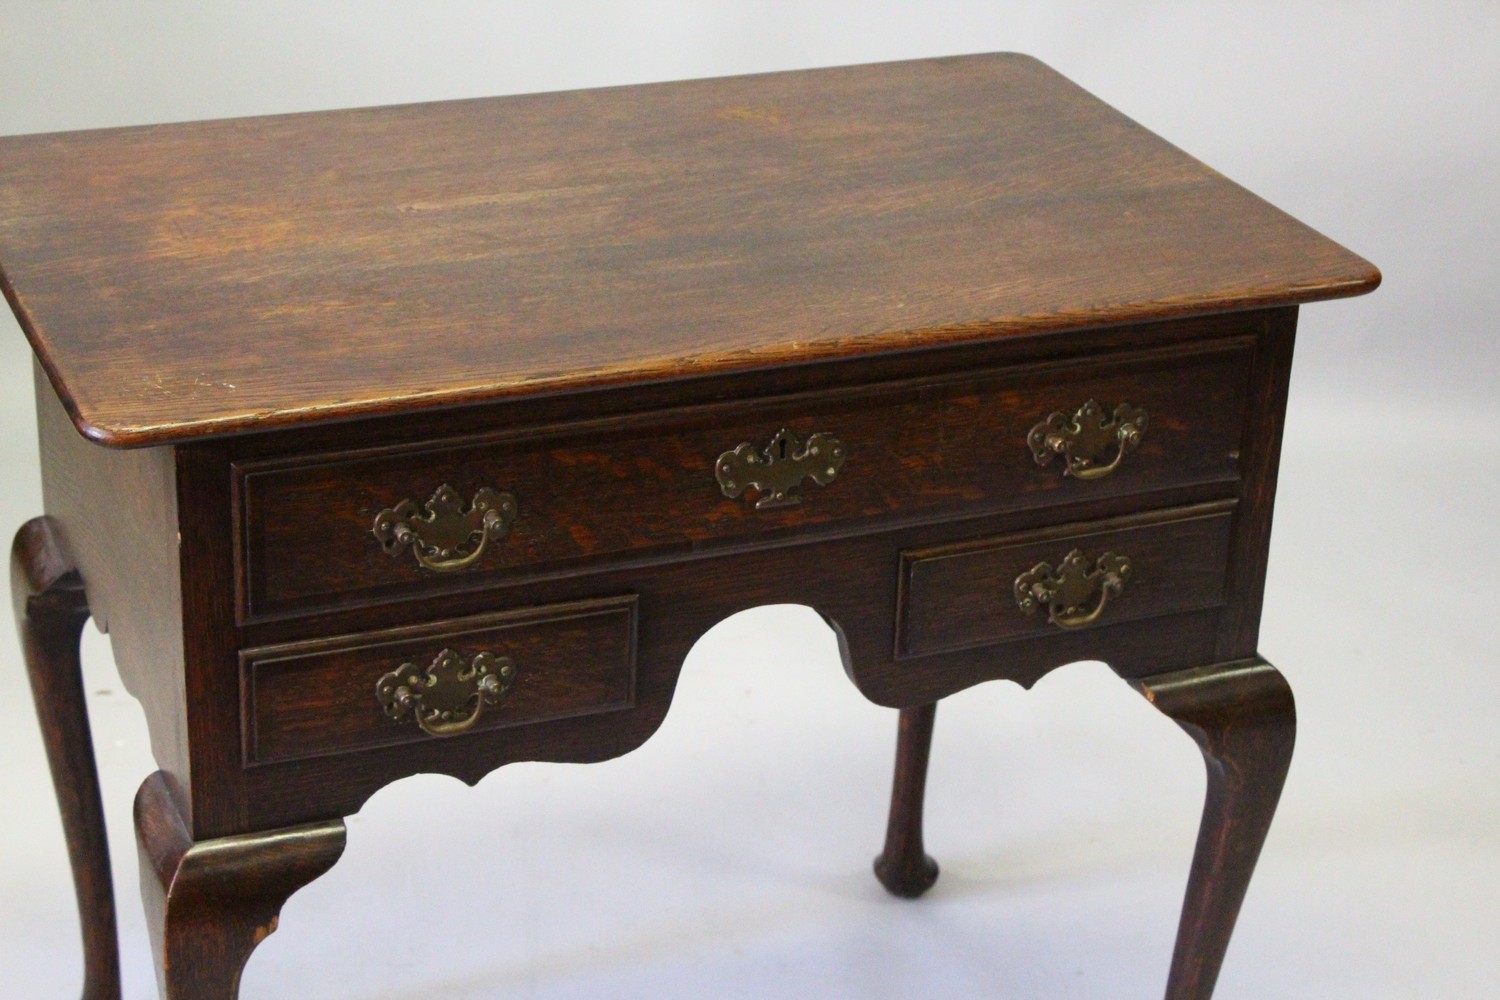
655, 486
1066, 578
353, 692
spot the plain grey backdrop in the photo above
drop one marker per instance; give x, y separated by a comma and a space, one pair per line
729, 857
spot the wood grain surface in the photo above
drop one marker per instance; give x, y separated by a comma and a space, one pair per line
210, 902
644, 489
1244, 719
308, 698
211, 278
48, 599
958, 596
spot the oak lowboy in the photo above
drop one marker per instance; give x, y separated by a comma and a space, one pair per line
949, 351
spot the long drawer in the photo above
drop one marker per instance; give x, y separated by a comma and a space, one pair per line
391, 523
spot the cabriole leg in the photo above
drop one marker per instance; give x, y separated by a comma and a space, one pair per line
50, 611
903, 867
1242, 717
209, 904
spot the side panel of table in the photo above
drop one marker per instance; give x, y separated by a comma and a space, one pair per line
116, 515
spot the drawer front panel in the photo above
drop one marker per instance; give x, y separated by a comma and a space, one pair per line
966, 595
654, 486
343, 694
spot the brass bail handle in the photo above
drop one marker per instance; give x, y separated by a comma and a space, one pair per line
447, 697
1067, 590
443, 534
1085, 437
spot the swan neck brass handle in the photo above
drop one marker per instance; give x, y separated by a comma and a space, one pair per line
1067, 590
448, 696
778, 469
1086, 437
443, 534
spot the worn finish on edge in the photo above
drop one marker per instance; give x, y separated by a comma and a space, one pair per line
217, 277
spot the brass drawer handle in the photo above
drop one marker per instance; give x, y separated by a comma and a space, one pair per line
446, 537
447, 697
1084, 438
1066, 589
779, 468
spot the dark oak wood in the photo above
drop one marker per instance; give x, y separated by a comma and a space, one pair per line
958, 596
852, 578
208, 904
1243, 718
904, 867
853, 582
1260, 455
317, 697
467, 251
585, 299
116, 515
307, 538
829, 378
50, 612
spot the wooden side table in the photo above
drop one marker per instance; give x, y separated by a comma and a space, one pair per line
430, 438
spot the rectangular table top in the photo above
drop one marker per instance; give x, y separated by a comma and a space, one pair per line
210, 278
